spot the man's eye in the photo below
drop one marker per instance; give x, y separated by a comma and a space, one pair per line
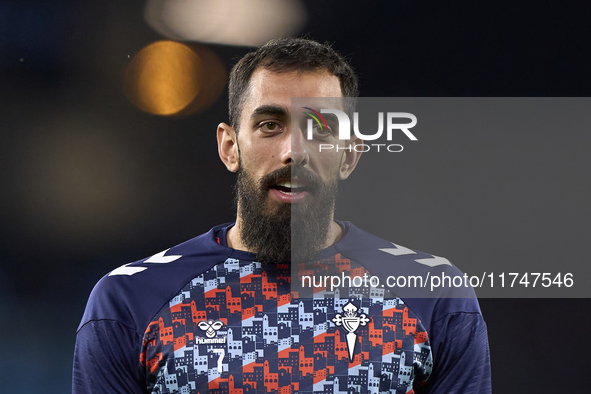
269, 126
322, 130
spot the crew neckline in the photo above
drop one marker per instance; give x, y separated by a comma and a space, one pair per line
221, 233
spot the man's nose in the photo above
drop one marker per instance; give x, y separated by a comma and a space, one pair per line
296, 152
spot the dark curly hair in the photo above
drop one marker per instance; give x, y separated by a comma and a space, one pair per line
284, 55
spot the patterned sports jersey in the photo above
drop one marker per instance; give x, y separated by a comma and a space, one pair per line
204, 318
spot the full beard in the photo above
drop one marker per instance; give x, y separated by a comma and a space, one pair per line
279, 232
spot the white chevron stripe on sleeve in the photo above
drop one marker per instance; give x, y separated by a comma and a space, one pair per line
162, 259
398, 251
429, 261
125, 270
433, 261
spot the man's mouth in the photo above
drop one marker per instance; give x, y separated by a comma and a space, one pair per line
290, 187
290, 191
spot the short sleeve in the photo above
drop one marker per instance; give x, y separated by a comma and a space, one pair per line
461, 356
105, 361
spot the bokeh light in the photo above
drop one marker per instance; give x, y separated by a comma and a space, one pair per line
170, 78
78, 180
232, 22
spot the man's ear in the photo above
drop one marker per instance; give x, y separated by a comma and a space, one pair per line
228, 147
350, 159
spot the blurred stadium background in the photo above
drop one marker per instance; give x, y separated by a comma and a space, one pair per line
108, 151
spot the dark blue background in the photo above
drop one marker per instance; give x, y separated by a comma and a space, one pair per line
73, 55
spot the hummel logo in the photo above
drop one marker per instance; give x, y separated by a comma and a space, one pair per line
350, 322
210, 327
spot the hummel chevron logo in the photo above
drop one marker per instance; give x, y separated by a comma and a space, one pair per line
429, 261
434, 261
398, 250
351, 322
161, 258
158, 258
125, 270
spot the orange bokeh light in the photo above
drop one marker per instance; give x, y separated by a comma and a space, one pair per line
170, 78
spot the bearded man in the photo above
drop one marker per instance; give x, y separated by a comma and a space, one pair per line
219, 313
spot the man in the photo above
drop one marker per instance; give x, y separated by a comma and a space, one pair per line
219, 313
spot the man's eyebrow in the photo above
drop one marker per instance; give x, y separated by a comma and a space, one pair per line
269, 110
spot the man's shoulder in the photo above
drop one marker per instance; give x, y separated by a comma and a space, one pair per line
132, 293
384, 256
429, 284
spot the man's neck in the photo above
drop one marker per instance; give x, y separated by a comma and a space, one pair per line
335, 233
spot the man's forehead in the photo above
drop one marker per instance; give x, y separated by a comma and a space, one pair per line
271, 91
312, 83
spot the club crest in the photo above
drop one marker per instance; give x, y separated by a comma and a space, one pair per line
350, 321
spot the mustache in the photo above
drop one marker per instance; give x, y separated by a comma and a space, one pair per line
303, 175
